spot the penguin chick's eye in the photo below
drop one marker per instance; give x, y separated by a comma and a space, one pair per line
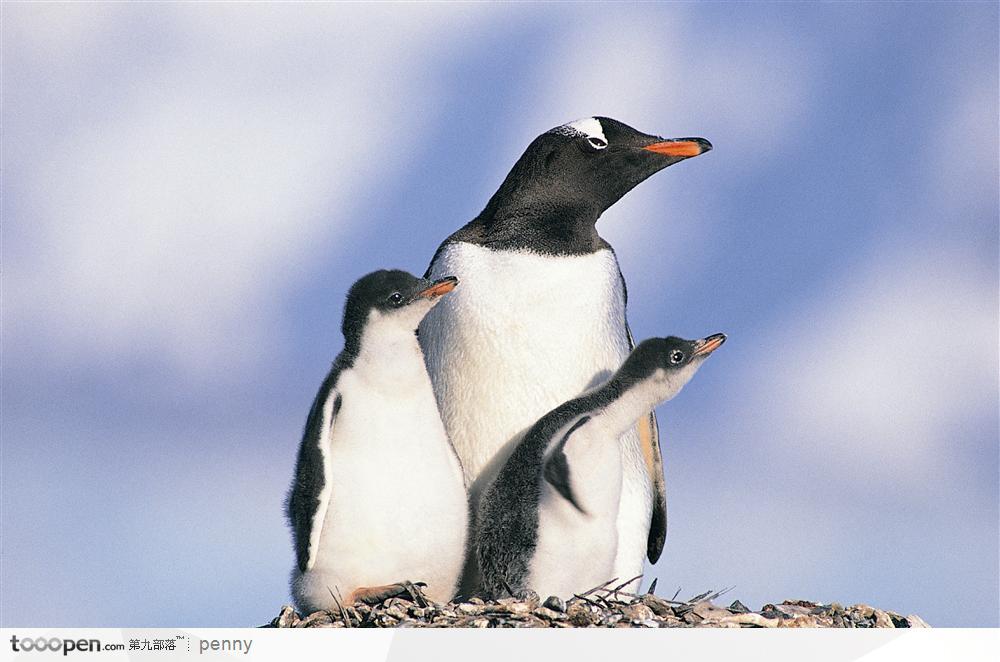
597, 143
676, 356
395, 298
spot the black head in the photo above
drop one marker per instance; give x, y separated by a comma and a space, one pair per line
393, 297
672, 359
568, 176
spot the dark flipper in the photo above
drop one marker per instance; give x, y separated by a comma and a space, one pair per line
303, 507
557, 468
649, 440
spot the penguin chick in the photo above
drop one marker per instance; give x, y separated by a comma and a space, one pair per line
378, 495
548, 520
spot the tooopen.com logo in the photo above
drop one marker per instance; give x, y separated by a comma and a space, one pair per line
66, 646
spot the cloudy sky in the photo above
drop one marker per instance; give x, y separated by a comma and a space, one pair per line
188, 191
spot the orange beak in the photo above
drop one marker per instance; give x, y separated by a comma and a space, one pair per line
439, 287
710, 344
682, 148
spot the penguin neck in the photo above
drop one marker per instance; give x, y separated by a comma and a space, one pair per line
629, 399
389, 358
532, 221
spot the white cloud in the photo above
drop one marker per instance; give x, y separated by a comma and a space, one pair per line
167, 208
873, 378
960, 161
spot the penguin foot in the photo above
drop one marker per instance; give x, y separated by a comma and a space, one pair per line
373, 595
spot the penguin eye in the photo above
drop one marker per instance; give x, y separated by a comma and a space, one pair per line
597, 143
676, 356
395, 298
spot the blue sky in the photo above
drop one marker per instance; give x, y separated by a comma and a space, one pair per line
188, 191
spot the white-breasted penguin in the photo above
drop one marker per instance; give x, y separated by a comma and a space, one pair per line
548, 521
540, 316
378, 498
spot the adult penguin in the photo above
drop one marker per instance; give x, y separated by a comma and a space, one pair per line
540, 316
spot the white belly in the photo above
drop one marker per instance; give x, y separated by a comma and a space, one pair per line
520, 335
575, 551
398, 508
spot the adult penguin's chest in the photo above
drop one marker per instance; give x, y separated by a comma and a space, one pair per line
521, 334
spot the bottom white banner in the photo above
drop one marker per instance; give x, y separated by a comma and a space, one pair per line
28, 645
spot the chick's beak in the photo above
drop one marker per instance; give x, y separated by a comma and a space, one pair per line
706, 346
439, 288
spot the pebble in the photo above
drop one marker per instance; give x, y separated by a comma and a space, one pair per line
550, 614
554, 603
637, 613
738, 608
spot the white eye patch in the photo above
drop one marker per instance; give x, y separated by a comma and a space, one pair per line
590, 128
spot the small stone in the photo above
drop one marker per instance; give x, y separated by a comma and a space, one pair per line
882, 620
481, 623
476, 601
771, 611
660, 607
692, 618
520, 608
579, 615
915, 621
707, 610
898, 621
554, 603
317, 619
637, 613
287, 618
791, 611
650, 623
550, 614
864, 611
469, 609
738, 608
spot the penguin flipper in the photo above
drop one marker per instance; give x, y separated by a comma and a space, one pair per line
649, 440
557, 472
308, 499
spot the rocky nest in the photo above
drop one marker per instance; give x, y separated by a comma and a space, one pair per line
603, 606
